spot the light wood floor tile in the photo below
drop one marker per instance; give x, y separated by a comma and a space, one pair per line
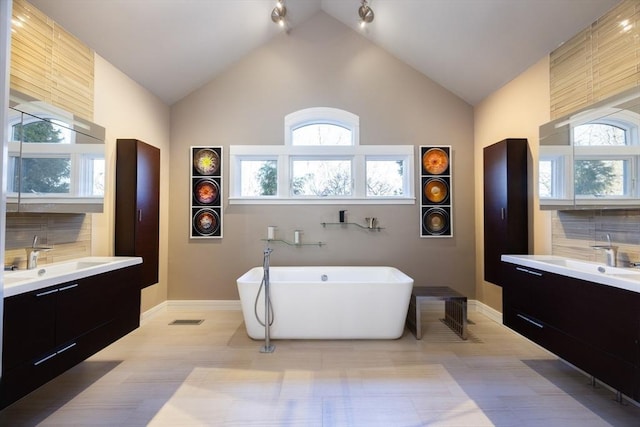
214, 375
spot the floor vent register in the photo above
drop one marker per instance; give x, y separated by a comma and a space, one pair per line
187, 322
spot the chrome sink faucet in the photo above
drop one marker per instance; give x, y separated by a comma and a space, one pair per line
33, 252
610, 250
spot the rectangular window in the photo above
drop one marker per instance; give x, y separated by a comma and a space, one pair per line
321, 177
385, 178
312, 174
258, 178
545, 178
555, 175
601, 178
45, 175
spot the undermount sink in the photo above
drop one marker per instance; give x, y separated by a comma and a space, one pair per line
50, 270
620, 277
591, 267
19, 281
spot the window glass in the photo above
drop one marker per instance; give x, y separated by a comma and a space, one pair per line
41, 131
545, 183
601, 178
321, 134
598, 134
258, 178
45, 175
385, 177
94, 176
321, 178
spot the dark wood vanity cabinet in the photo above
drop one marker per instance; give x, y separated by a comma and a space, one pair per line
50, 330
137, 210
505, 204
592, 326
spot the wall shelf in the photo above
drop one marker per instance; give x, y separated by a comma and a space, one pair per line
324, 224
320, 244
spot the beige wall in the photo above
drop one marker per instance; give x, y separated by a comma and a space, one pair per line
320, 63
127, 110
514, 111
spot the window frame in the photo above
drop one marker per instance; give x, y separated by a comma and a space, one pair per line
81, 158
286, 153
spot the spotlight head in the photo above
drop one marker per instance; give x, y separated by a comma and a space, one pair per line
365, 13
278, 14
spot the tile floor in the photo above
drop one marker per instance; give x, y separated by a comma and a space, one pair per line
214, 375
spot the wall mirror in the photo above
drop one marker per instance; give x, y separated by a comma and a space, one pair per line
55, 159
591, 158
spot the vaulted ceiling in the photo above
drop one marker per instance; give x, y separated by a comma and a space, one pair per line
471, 47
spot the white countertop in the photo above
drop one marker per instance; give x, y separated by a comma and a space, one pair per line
21, 281
623, 278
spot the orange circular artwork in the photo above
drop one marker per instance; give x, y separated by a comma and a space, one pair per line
435, 190
206, 191
435, 161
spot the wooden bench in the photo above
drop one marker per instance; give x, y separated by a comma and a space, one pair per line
455, 309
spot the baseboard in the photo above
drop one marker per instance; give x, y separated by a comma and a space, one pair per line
153, 311
234, 305
490, 312
204, 305
191, 305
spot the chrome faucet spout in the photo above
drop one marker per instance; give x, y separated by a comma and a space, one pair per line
32, 258
610, 251
33, 252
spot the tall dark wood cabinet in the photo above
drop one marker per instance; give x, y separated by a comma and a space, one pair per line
505, 204
137, 219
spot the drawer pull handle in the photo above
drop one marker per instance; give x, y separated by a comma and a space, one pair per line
66, 348
44, 359
524, 270
62, 350
68, 287
539, 325
52, 291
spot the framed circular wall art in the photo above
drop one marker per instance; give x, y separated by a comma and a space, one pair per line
436, 191
206, 193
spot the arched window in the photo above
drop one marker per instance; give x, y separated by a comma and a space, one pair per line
321, 161
604, 166
321, 126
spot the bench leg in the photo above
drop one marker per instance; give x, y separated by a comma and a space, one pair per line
455, 315
413, 318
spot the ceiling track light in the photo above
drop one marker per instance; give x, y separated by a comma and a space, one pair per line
365, 13
279, 13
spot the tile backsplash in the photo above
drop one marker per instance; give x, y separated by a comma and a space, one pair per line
574, 232
69, 235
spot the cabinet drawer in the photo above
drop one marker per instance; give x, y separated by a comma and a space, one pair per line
29, 327
51, 330
529, 290
606, 317
617, 373
84, 305
28, 376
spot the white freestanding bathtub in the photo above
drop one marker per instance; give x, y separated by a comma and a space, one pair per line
328, 302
